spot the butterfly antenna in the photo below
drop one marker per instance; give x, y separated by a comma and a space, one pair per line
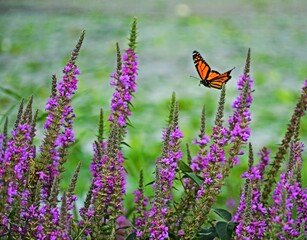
194, 77
197, 79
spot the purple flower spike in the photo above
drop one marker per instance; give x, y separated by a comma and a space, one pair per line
240, 120
2, 159
141, 203
257, 225
264, 161
59, 132
285, 196
165, 175
125, 86
169, 162
199, 162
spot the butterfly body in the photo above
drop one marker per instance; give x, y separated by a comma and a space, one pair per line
209, 78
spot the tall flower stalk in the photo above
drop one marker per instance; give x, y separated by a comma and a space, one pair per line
252, 215
16, 156
58, 126
124, 81
288, 196
141, 202
104, 203
239, 122
57, 138
165, 175
299, 112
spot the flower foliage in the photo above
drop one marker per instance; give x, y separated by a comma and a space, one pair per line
273, 201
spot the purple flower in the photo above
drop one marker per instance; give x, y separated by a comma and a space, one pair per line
24, 203
125, 87
167, 165
239, 121
158, 228
199, 162
12, 191
70, 200
15, 163
264, 160
289, 197
203, 141
209, 163
169, 162
284, 197
66, 88
141, 203
19, 151
256, 226
59, 133
109, 180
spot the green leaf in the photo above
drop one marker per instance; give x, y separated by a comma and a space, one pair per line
223, 231
194, 177
126, 144
223, 213
7, 113
184, 167
150, 183
207, 233
129, 124
172, 236
10, 92
131, 236
232, 226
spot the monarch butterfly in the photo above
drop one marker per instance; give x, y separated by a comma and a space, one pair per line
209, 78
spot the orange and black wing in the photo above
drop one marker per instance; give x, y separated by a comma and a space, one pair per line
216, 80
202, 67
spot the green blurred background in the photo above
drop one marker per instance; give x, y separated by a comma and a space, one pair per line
36, 39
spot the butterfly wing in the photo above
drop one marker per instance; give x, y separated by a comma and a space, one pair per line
213, 75
202, 67
216, 80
